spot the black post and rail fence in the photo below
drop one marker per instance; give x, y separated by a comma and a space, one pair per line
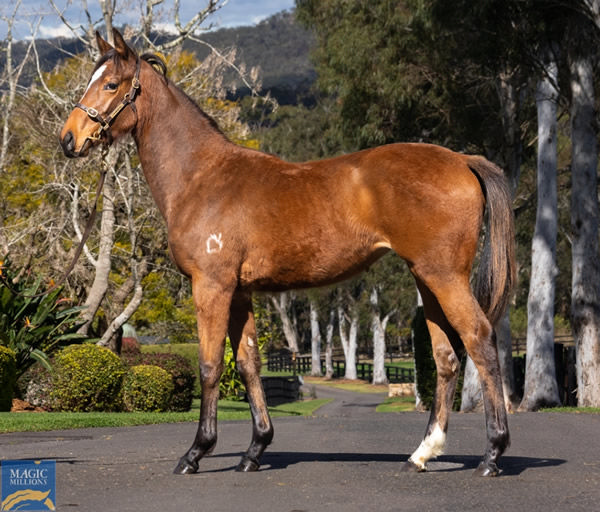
286, 362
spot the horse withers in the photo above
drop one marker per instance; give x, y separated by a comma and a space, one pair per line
241, 221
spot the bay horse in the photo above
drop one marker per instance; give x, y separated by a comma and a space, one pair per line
241, 221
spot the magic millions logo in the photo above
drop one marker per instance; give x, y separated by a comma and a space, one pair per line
28, 485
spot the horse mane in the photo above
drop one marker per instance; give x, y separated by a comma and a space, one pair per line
159, 65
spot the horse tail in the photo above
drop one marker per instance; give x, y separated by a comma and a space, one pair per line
496, 273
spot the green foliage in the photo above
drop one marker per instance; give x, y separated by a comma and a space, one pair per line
8, 377
167, 309
424, 363
35, 327
147, 388
231, 384
87, 378
181, 372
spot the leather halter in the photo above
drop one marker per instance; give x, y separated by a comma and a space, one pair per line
128, 99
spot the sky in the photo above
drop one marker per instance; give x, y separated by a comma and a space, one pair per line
29, 12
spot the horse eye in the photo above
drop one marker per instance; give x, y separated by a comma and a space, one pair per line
111, 86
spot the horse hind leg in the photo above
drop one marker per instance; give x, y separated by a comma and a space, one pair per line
466, 317
447, 353
242, 333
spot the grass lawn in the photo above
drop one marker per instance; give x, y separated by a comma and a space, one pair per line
574, 410
228, 410
397, 404
357, 386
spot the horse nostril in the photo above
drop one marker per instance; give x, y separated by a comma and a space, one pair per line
68, 144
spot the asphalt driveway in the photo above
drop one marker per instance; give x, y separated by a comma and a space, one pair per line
345, 458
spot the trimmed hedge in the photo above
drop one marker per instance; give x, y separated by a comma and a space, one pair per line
8, 377
181, 372
147, 388
87, 378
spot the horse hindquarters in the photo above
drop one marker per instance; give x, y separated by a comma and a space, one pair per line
453, 312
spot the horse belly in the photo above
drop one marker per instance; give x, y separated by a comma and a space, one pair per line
307, 269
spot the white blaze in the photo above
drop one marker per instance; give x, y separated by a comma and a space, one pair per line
97, 74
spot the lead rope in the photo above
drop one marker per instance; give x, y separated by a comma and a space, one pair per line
86, 233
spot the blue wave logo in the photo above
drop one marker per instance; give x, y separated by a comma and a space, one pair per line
28, 485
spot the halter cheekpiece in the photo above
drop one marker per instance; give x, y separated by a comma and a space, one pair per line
128, 99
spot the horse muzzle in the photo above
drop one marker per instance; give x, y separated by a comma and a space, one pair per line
68, 146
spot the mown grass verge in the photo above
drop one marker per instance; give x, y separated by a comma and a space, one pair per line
397, 404
228, 410
356, 386
573, 410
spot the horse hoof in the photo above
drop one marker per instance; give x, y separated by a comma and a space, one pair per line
185, 467
247, 465
487, 469
410, 467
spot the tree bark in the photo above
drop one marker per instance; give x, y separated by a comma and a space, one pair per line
282, 303
329, 345
540, 374
349, 342
378, 327
471, 398
315, 341
100, 284
585, 293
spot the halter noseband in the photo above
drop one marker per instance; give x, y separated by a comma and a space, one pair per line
128, 99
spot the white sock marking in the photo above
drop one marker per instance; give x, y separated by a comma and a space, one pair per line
431, 447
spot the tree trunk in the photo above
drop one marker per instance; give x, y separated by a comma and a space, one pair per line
329, 346
507, 370
585, 293
349, 342
315, 341
282, 303
378, 327
103, 261
540, 374
471, 398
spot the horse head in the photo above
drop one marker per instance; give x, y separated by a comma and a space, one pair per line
106, 110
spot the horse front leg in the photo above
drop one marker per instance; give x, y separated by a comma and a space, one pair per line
212, 304
242, 334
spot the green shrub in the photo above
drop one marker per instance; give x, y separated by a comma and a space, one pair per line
8, 377
230, 385
424, 362
147, 388
181, 371
87, 378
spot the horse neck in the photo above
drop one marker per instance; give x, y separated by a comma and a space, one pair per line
175, 141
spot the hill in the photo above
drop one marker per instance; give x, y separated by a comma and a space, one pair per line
279, 46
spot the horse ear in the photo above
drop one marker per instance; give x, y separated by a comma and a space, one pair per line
103, 46
120, 45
